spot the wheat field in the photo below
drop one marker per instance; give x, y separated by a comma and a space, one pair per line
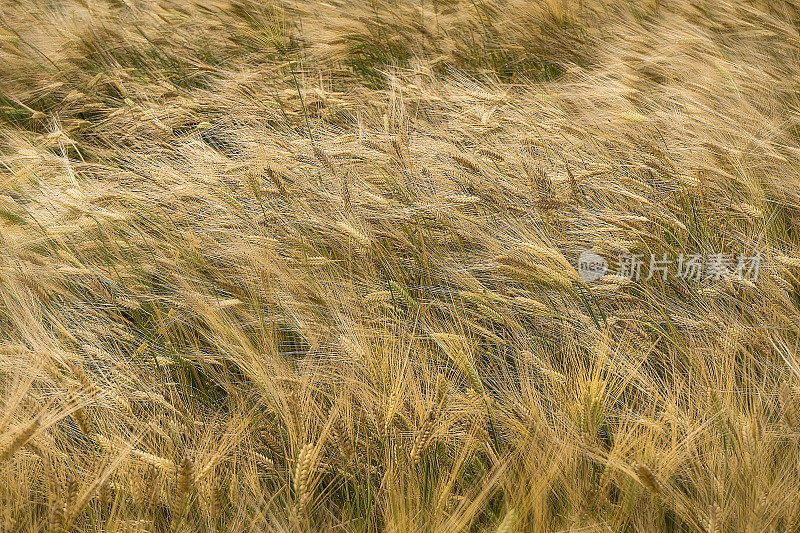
284, 265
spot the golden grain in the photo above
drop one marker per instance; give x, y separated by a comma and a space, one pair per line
311, 266
304, 469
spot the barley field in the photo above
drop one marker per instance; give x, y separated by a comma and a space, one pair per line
287, 265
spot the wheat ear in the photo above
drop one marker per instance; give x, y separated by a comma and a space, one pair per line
647, 478
19, 440
302, 474
509, 523
424, 435
714, 519
790, 411
342, 439
185, 484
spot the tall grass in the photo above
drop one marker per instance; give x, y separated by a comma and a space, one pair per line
300, 266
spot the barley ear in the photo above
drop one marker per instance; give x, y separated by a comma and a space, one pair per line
647, 478
714, 519
345, 180
509, 523
302, 475
789, 405
575, 192
276, 180
394, 402
105, 493
441, 391
324, 159
70, 497
424, 435
343, 440
56, 518
185, 484
255, 186
19, 440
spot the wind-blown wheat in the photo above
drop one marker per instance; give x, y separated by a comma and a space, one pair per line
232, 228
304, 469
